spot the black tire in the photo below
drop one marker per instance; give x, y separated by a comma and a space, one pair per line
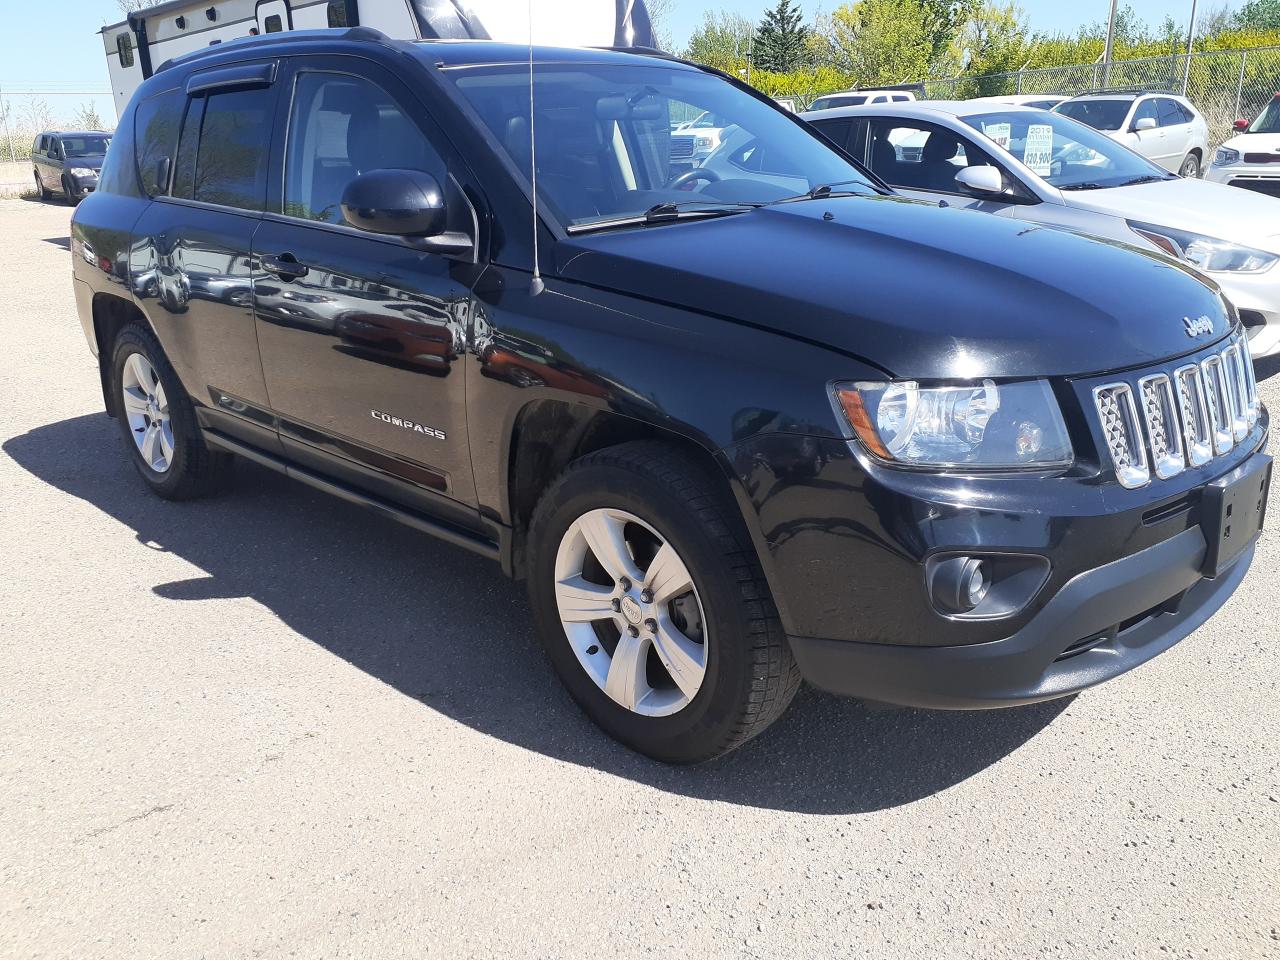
44, 194
194, 470
69, 195
750, 675
1190, 168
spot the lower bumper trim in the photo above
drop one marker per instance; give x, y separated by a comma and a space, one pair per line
1140, 605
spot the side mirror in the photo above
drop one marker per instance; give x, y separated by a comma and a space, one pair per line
981, 182
1240, 125
403, 203
1144, 123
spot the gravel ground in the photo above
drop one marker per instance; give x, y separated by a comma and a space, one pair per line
271, 725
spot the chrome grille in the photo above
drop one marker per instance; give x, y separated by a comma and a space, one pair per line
681, 148
1175, 419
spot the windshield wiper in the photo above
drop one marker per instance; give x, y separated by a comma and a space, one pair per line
828, 190
668, 213
1147, 178
1087, 186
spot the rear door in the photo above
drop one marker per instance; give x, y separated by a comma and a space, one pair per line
363, 336
1176, 130
192, 246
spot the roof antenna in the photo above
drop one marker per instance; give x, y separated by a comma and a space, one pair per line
536, 286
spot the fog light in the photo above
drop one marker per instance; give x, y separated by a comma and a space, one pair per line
961, 583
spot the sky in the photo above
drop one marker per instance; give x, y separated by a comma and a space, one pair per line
66, 63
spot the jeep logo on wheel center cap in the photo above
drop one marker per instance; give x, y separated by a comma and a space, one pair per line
631, 610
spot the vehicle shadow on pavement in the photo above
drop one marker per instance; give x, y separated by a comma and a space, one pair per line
446, 628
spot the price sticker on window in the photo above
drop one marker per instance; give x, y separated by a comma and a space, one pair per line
1038, 154
1001, 133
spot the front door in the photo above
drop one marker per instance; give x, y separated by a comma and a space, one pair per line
362, 336
274, 16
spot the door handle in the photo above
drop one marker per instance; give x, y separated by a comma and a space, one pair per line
286, 267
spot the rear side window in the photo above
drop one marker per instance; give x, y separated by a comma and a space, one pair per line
1170, 114
342, 126
837, 131
156, 126
124, 47
222, 153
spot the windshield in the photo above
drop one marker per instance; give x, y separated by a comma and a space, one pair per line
1099, 114
85, 146
1066, 154
606, 150
1269, 120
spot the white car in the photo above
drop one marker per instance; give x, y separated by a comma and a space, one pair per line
1041, 101
695, 140
1163, 127
1047, 169
860, 98
1252, 159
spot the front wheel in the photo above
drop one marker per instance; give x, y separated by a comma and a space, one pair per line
158, 421
650, 601
1190, 167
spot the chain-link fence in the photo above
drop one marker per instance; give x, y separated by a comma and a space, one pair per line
1224, 85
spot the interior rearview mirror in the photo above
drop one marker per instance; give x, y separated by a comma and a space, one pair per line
403, 203
1144, 123
981, 181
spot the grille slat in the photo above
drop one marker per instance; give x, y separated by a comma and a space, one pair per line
1174, 421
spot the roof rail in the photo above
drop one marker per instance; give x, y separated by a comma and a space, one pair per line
365, 34
1135, 91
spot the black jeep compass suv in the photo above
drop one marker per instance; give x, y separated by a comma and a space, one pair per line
734, 428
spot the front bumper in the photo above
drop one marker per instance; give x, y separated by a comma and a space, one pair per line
82, 186
1261, 178
1257, 297
1101, 624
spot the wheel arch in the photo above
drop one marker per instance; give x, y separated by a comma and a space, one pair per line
111, 314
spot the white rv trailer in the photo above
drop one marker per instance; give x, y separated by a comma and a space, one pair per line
149, 37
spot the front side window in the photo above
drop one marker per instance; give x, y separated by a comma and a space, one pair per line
342, 126
605, 145
156, 124
222, 154
1099, 114
124, 47
1147, 110
920, 156
1065, 154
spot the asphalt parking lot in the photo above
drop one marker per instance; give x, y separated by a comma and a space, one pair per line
271, 725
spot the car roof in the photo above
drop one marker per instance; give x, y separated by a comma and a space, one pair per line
920, 110
74, 133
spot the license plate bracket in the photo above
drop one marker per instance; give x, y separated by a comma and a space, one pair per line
1233, 511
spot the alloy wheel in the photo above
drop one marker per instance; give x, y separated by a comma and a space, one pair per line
147, 409
631, 612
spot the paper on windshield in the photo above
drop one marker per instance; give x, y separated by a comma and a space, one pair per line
1038, 154
1001, 133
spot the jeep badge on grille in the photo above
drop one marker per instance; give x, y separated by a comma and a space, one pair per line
1200, 327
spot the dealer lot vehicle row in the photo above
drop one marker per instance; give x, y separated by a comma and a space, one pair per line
319, 252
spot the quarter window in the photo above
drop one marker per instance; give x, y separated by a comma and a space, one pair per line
222, 154
156, 135
124, 47
342, 126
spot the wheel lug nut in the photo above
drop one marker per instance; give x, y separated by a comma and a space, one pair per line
624, 584
633, 631
617, 604
651, 625
646, 596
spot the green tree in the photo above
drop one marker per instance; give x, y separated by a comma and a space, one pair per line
895, 41
722, 41
1258, 15
992, 42
782, 40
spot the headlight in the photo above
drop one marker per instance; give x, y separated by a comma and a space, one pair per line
705, 143
984, 426
1210, 255
1225, 157
83, 172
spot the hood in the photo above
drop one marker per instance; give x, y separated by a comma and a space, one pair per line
1213, 209
919, 291
1255, 143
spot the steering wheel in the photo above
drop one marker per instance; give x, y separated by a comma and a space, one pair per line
692, 176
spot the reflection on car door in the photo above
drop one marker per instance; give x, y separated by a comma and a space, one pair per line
191, 254
362, 336
1176, 130
922, 160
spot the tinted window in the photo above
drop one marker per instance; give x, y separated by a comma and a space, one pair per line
229, 165
156, 134
273, 24
124, 47
338, 13
1099, 114
1170, 113
920, 156
342, 127
1147, 110
91, 146
837, 131
901, 98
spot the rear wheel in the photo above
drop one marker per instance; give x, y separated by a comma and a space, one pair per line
158, 421
44, 194
1190, 167
650, 601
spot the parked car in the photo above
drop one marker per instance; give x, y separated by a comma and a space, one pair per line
731, 437
1040, 101
67, 162
857, 98
692, 142
1045, 168
1163, 127
1251, 159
